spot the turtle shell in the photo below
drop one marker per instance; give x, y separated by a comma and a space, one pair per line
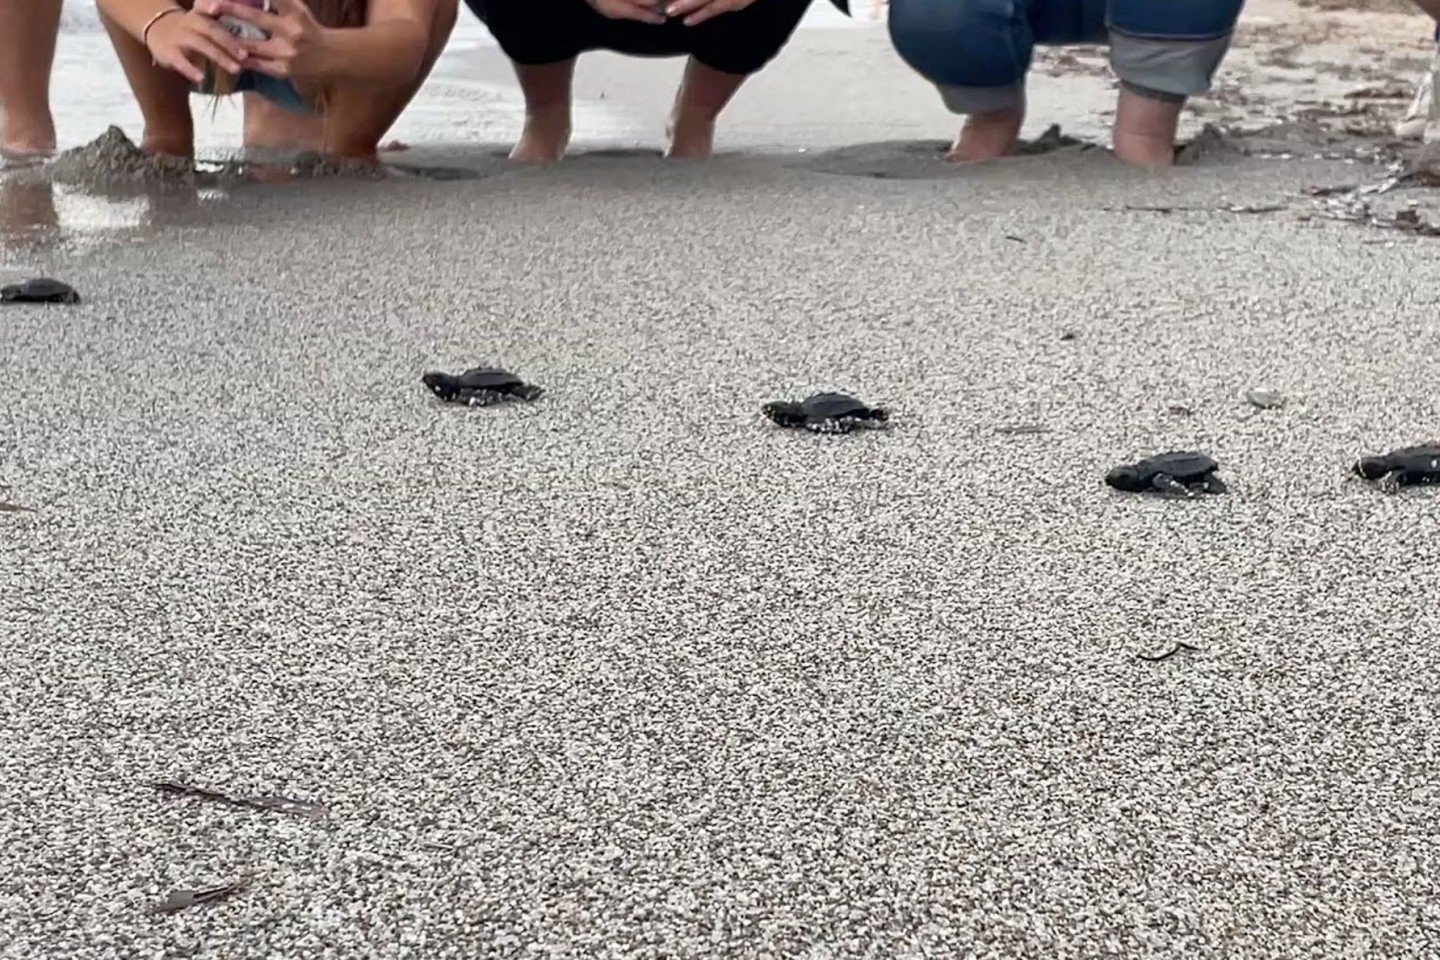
487, 378
1424, 459
832, 406
40, 290
1183, 465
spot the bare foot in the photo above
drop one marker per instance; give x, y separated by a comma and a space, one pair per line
987, 136
547, 111
1145, 130
27, 138
691, 138
703, 94
546, 135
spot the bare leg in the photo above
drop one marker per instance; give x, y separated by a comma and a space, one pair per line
164, 97
703, 93
27, 52
547, 111
1145, 130
356, 118
987, 136
272, 127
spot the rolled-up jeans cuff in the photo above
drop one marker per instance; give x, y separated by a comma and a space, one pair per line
972, 100
1177, 68
1151, 94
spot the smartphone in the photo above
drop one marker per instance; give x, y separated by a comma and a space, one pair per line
218, 83
243, 28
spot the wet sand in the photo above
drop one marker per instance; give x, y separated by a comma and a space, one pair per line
627, 673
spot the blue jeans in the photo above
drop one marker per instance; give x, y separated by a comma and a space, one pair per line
978, 51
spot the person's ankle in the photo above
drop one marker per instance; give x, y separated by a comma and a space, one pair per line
361, 152
691, 134
1145, 129
987, 136
168, 143
27, 134
546, 134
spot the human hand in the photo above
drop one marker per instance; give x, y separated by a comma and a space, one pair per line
179, 40
698, 11
294, 46
646, 11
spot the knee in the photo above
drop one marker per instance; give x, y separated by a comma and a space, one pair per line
1172, 49
529, 33
962, 43
744, 42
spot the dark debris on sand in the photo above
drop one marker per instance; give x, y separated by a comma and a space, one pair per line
268, 804
179, 900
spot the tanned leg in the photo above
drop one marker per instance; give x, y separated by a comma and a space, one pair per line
986, 136
356, 118
27, 52
270, 126
1145, 130
164, 97
704, 92
546, 88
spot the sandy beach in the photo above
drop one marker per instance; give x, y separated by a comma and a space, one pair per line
627, 672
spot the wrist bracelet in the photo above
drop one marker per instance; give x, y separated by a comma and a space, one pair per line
145, 34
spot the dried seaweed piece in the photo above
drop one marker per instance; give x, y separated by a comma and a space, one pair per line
1233, 208
185, 899
14, 508
299, 808
268, 804
1379, 93
1168, 653
1020, 429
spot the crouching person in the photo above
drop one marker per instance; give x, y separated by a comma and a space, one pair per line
978, 52
724, 42
336, 74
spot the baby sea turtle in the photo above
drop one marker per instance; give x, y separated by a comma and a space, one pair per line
39, 290
1178, 471
1406, 467
825, 413
480, 386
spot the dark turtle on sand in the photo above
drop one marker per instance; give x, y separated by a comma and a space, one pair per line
1178, 471
825, 413
39, 290
1406, 467
480, 386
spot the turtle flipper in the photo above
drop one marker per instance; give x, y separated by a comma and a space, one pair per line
528, 391
480, 398
830, 425
1214, 484
1167, 484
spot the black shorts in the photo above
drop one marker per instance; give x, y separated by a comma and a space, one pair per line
537, 32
